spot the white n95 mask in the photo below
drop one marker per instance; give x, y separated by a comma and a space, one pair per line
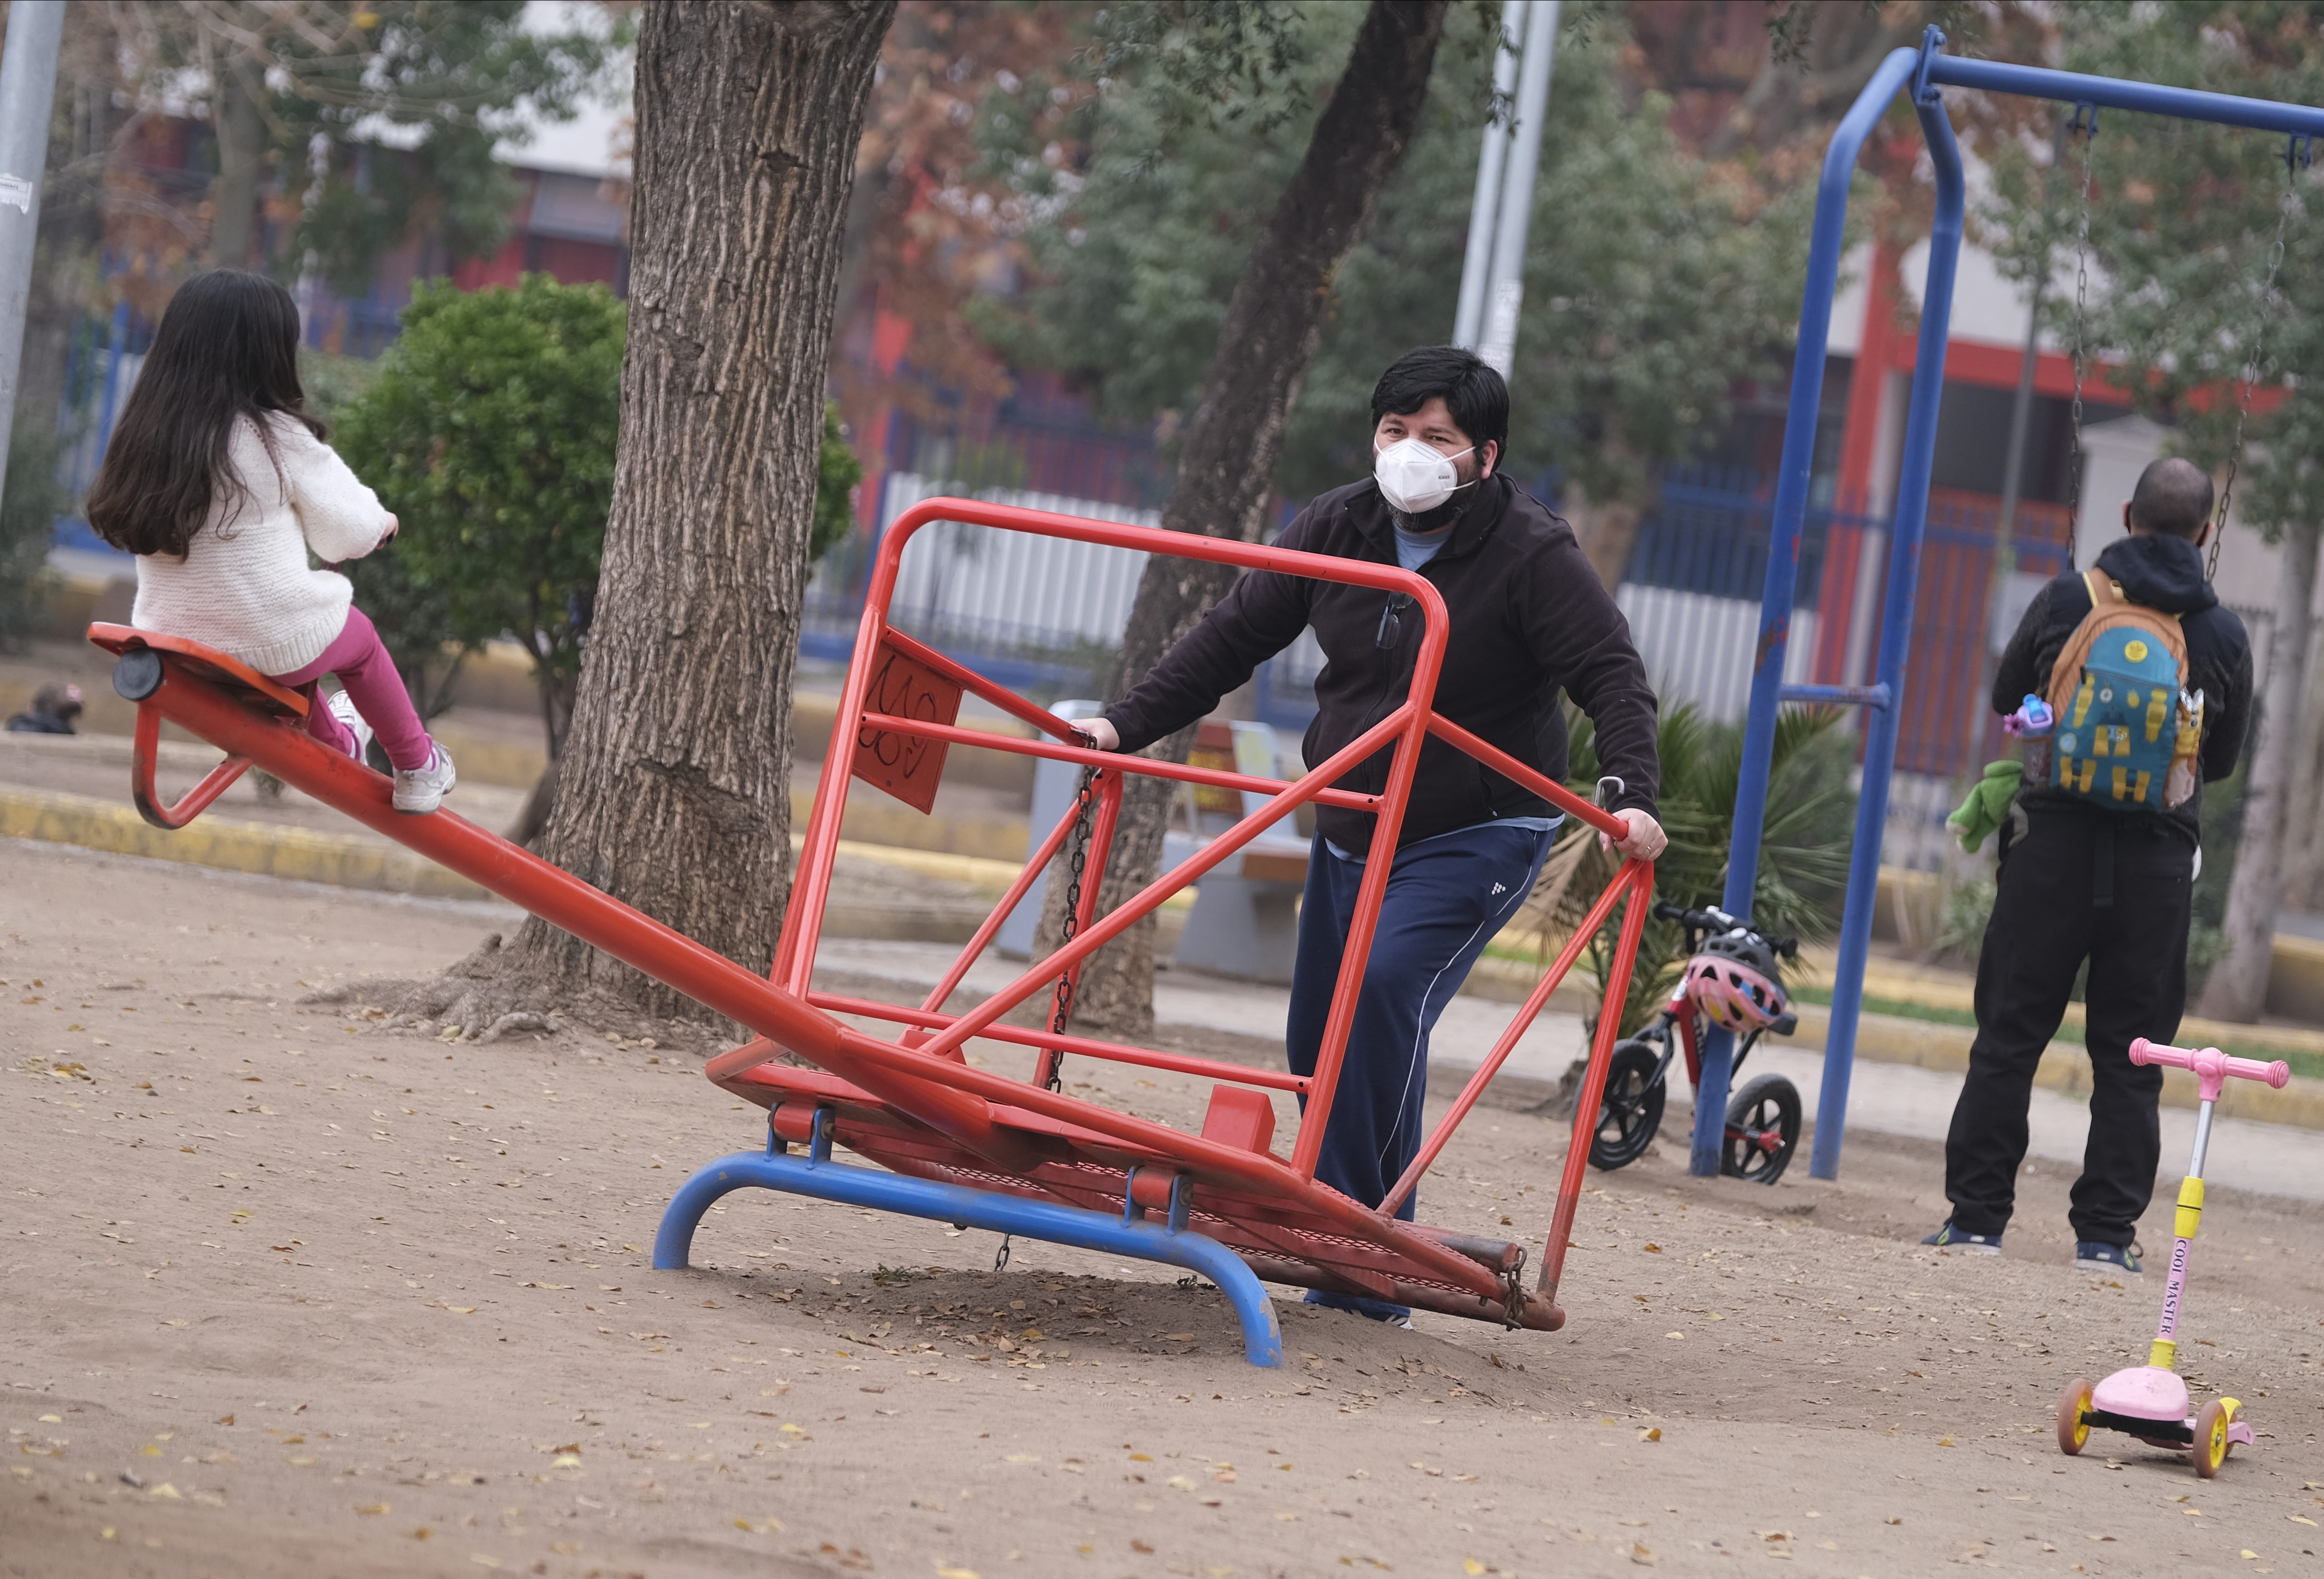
1414, 477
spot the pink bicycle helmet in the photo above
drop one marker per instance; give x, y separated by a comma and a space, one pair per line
1734, 980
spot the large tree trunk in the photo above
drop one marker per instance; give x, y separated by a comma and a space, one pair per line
1606, 529
675, 793
2237, 987
2303, 862
1226, 469
241, 158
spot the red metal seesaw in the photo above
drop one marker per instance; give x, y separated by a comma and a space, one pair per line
962, 1143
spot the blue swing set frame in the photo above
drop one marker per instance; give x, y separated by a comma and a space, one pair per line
1921, 72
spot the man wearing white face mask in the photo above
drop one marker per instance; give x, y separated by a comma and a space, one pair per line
1529, 620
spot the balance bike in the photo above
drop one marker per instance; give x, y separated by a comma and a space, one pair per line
1744, 992
2149, 1401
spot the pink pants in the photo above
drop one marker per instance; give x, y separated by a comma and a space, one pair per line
360, 659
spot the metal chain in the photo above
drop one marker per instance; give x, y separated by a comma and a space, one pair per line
1001, 1256
2253, 367
1085, 799
2081, 308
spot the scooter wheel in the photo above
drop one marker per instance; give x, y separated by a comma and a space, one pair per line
1763, 1130
2211, 1438
1631, 1111
2073, 1430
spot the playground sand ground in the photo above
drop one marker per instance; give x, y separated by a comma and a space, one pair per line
288, 1294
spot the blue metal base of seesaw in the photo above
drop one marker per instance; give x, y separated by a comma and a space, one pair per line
817, 1174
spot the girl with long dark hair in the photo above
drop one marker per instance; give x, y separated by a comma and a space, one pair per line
219, 483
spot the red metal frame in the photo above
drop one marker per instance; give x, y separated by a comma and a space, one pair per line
747, 1071
914, 1105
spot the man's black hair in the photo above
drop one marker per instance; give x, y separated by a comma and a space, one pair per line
2174, 497
1467, 385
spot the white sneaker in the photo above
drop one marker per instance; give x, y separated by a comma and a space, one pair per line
343, 708
422, 790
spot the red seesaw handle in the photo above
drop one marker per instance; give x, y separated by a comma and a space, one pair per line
2211, 1066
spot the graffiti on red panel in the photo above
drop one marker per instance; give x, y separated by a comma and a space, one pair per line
907, 766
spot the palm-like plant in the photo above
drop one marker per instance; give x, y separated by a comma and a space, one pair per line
1803, 850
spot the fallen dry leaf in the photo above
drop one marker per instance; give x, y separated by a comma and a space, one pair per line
373, 1509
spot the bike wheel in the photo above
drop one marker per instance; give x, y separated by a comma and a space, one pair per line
1763, 1130
1632, 1108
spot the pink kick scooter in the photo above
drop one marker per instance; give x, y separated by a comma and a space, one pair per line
2149, 1401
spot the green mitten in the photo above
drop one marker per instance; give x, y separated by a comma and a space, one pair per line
1987, 805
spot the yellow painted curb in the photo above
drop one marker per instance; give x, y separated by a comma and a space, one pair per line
227, 845
1892, 1039
345, 860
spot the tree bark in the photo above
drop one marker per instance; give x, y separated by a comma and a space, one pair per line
2237, 987
242, 158
2304, 830
674, 792
1226, 469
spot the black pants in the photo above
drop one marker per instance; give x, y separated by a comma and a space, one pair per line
2114, 889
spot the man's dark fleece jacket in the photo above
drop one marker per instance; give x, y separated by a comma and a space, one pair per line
1529, 617
2164, 573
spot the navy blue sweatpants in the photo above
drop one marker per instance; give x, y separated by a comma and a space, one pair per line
1446, 897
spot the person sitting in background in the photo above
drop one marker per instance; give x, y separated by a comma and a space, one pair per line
54, 708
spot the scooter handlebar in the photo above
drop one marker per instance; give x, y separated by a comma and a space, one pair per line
2211, 1066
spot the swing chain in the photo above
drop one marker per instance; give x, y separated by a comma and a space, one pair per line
2090, 134
1001, 1256
2294, 155
1076, 862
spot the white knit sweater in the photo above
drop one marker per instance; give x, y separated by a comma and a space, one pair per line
244, 585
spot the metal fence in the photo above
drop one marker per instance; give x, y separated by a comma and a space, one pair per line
1042, 614
1049, 616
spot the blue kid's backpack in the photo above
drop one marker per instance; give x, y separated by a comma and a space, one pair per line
2116, 691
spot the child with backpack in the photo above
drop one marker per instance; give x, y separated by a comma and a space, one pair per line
2148, 683
220, 483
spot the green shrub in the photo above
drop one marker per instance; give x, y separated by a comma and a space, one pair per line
490, 431
30, 503
1804, 849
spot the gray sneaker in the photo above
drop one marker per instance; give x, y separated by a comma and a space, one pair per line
343, 708
1951, 1238
422, 790
2093, 1255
